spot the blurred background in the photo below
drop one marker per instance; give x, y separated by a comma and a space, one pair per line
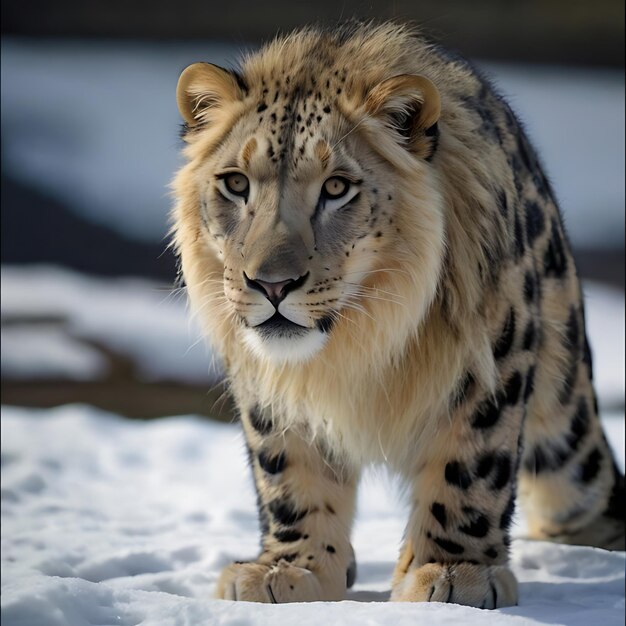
90, 142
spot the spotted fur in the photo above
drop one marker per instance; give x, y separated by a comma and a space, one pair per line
433, 320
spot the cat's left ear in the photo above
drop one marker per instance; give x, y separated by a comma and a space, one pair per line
410, 105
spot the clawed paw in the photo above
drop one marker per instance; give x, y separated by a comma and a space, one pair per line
276, 583
480, 586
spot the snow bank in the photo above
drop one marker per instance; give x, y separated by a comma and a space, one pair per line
141, 320
107, 521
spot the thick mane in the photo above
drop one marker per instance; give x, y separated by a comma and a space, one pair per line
433, 332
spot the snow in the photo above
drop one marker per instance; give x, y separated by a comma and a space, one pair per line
142, 320
44, 352
104, 139
109, 521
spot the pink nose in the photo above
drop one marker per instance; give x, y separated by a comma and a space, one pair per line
275, 292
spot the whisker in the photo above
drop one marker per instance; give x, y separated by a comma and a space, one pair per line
377, 289
365, 117
366, 296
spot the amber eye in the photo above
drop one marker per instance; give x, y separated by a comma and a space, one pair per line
335, 187
237, 184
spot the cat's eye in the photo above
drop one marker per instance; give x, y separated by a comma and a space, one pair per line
237, 184
338, 192
335, 187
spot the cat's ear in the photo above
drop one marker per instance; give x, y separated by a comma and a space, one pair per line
203, 89
410, 105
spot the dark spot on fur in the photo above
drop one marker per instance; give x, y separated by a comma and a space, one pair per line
535, 222
285, 513
529, 336
512, 389
457, 475
326, 109
491, 553
529, 287
439, 513
580, 424
449, 546
287, 536
272, 464
258, 421
498, 464
502, 203
488, 413
485, 465
331, 549
587, 356
555, 258
551, 456
477, 525
502, 471
507, 336
330, 509
288, 557
591, 466
261, 107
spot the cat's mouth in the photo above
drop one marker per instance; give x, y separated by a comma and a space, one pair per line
279, 326
282, 341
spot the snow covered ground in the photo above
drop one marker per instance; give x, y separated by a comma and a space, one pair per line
107, 521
